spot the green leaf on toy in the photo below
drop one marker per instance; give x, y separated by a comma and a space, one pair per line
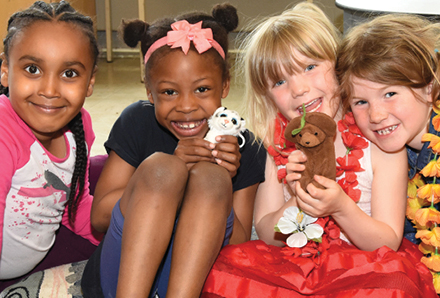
303, 122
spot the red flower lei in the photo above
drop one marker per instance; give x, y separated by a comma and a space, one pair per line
348, 164
354, 142
283, 146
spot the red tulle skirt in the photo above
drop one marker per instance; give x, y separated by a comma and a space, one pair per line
255, 269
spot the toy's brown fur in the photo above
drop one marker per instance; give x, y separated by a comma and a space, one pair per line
316, 141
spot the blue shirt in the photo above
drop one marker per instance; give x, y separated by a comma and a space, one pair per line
417, 160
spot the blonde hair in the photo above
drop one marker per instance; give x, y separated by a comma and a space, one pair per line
394, 49
268, 51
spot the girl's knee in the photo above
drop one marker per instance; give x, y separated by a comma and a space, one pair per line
163, 168
159, 181
211, 179
158, 176
211, 175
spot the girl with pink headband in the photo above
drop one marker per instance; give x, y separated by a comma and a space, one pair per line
164, 190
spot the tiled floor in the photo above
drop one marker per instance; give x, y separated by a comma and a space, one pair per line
117, 85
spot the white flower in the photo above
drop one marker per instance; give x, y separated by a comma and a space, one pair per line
301, 225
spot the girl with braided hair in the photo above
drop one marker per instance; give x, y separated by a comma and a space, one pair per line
48, 69
172, 192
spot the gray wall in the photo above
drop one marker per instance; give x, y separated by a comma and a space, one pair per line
248, 9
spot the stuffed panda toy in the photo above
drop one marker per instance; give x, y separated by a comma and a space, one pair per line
225, 122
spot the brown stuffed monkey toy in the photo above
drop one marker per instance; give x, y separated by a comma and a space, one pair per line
313, 134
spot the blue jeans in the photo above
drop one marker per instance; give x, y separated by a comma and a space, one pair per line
111, 254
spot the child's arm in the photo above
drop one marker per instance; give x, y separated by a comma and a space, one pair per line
270, 205
109, 189
82, 224
243, 204
388, 203
227, 154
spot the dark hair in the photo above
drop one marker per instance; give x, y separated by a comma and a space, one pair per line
3, 90
223, 20
60, 12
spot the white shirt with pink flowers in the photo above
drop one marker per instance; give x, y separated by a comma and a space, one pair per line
34, 186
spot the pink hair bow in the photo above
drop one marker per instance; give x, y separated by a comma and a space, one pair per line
183, 33
181, 36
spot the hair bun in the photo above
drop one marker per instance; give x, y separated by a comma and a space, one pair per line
133, 31
226, 15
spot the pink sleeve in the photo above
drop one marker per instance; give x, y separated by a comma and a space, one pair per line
82, 225
6, 173
14, 153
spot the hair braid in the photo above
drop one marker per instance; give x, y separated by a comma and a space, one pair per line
3, 90
79, 173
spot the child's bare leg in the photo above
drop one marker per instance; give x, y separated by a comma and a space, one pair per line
149, 205
201, 228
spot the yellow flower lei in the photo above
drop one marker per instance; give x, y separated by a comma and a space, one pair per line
420, 206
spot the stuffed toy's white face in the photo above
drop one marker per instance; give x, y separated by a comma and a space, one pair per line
224, 122
227, 121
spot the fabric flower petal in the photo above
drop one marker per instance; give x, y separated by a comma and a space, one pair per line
297, 240
436, 122
431, 169
286, 226
432, 262
426, 248
413, 184
291, 213
434, 141
427, 215
412, 206
307, 220
313, 231
436, 277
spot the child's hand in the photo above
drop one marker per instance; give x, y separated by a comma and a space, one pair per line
227, 153
321, 202
193, 150
294, 167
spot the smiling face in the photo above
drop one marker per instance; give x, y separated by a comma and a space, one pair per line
391, 116
50, 71
314, 86
186, 90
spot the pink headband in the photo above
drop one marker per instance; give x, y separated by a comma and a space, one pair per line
182, 35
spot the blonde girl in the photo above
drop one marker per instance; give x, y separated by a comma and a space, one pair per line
336, 235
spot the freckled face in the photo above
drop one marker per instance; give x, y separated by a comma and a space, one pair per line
186, 90
314, 86
391, 116
49, 72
